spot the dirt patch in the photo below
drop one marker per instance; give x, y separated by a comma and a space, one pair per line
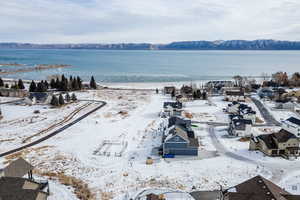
38, 150
244, 139
258, 120
81, 189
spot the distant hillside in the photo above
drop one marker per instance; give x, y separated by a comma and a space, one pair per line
187, 45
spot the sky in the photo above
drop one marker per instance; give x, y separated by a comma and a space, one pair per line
155, 21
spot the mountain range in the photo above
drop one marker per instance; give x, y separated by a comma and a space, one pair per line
184, 45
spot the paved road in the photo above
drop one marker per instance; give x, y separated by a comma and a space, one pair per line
279, 170
223, 150
103, 103
269, 119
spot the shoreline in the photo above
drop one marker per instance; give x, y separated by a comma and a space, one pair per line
32, 69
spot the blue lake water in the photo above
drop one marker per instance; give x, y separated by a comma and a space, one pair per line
153, 66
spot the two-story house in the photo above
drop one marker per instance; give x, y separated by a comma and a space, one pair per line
180, 141
239, 127
282, 143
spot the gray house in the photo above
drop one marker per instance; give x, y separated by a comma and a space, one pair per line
178, 142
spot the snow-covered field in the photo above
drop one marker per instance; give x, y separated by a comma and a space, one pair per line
129, 127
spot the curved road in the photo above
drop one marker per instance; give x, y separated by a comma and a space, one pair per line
279, 170
103, 103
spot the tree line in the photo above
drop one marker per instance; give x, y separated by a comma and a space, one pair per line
60, 83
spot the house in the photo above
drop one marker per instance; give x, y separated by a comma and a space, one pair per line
240, 127
7, 92
17, 168
177, 105
177, 120
249, 114
285, 105
172, 108
292, 125
14, 186
169, 89
219, 84
233, 108
282, 143
185, 89
180, 141
256, 188
39, 97
266, 93
234, 95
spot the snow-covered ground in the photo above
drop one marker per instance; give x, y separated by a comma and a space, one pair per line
129, 124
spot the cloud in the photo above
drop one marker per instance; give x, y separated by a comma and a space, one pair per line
157, 21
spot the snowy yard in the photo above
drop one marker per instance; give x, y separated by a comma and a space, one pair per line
130, 117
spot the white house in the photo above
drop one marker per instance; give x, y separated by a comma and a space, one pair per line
292, 125
240, 128
234, 95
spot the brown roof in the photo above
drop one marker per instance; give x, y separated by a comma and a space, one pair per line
11, 188
17, 168
152, 197
258, 188
283, 135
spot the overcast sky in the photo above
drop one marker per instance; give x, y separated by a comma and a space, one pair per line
156, 21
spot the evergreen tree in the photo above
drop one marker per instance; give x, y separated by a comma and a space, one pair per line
32, 87
93, 84
6, 85
68, 98
1, 82
46, 84
20, 84
41, 87
61, 100
79, 82
75, 85
64, 85
74, 98
52, 83
54, 101
57, 83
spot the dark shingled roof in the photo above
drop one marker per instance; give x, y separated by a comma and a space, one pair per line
11, 188
294, 120
257, 188
269, 141
283, 135
17, 168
